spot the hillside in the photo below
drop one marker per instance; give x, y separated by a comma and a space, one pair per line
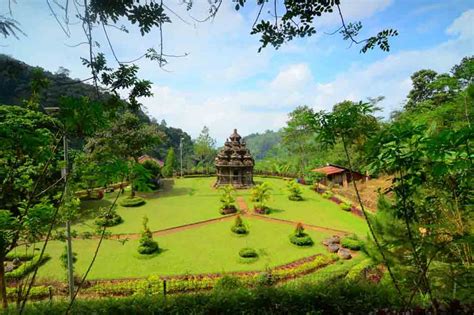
15, 86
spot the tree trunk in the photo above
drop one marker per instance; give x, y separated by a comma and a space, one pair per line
3, 285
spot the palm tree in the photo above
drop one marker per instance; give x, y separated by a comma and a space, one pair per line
261, 195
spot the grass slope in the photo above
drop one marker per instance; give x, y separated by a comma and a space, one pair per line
182, 201
314, 209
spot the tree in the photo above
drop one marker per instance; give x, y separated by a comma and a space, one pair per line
431, 213
29, 179
204, 148
299, 138
170, 163
123, 143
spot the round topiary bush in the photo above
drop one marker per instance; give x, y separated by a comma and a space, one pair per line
239, 226
304, 240
132, 202
300, 238
108, 219
248, 252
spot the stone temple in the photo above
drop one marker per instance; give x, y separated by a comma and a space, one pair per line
234, 163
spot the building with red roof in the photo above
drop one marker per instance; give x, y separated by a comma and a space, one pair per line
338, 175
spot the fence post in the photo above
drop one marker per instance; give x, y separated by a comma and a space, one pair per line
50, 289
164, 288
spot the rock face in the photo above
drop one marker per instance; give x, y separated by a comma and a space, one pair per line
333, 248
234, 163
344, 253
332, 240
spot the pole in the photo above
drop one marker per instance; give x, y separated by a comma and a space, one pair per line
181, 154
70, 272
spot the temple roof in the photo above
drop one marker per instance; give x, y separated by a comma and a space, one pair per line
234, 152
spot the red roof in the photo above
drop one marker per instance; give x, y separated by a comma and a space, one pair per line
145, 157
329, 170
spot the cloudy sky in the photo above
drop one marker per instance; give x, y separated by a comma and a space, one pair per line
224, 83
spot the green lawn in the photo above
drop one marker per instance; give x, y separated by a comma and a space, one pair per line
314, 209
205, 249
182, 201
210, 248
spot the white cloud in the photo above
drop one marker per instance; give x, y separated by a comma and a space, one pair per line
463, 26
266, 106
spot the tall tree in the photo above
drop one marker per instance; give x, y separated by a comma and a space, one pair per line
204, 148
170, 163
29, 176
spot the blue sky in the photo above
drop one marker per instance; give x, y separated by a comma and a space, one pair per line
224, 83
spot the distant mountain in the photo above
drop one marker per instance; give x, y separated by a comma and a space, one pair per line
263, 145
15, 86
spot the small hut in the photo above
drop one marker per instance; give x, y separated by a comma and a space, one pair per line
234, 163
337, 174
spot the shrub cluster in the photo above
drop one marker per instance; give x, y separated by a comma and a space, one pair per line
295, 191
300, 238
27, 267
239, 227
328, 194
147, 245
346, 206
132, 202
154, 284
352, 242
108, 218
248, 252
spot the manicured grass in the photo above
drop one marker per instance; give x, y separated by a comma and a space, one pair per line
314, 209
182, 201
206, 249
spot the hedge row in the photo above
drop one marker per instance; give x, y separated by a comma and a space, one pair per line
357, 270
330, 298
19, 255
154, 284
27, 267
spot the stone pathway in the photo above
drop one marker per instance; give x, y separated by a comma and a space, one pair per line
242, 205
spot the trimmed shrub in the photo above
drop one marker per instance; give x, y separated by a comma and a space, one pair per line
108, 218
352, 242
248, 252
346, 206
239, 226
328, 194
20, 256
132, 202
300, 238
147, 245
27, 267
